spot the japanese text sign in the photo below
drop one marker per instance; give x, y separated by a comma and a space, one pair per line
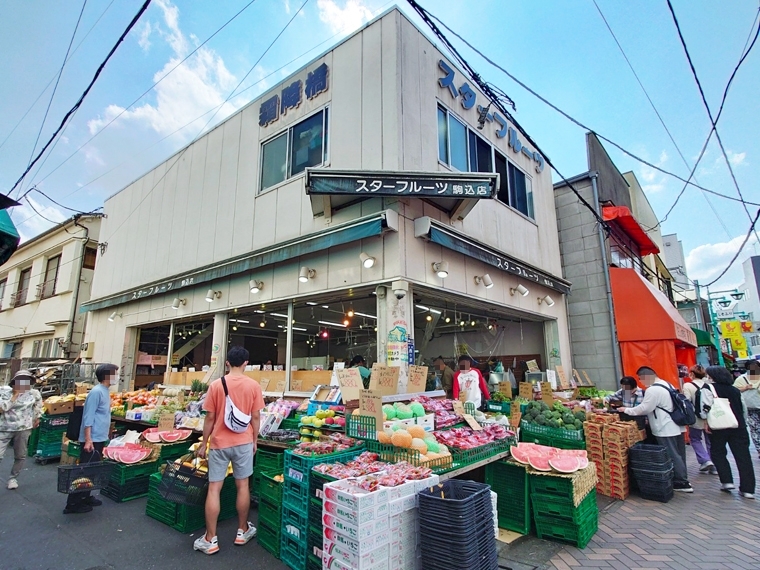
526, 390
546, 394
402, 185
472, 422
564, 383
166, 422
350, 383
264, 384
417, 379
371, 405
384, 379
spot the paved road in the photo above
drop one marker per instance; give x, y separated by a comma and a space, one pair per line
36, 535
707, 530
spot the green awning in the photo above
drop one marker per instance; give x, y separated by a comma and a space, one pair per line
704, 338
9, 238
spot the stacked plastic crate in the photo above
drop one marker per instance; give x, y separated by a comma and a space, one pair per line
51, 432
652, 470
129, 481
564, 506
269, 531
265, 462
510, 483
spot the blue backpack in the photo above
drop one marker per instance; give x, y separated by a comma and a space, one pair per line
683, 410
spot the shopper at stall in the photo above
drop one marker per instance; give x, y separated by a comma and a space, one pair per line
699, 381
470, 381
232, 406
737, 438
359, 362
657, 405
93, 434
20, 411
749, 385
629, 395
447, 375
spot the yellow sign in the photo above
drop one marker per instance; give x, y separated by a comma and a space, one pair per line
732, 330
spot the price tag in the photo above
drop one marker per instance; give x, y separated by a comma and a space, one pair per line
159, 401
385, 379
264, 384
514, 420
350, 383
463, 396
130, 405
280, 387
371, 404
526, 390
514, 408
166, 422
533, 366
551, 377
296, 385
417, 379
506, 389
576, 394
472, 422
564, 383
181, 397
458, 408
577, 378
546, 394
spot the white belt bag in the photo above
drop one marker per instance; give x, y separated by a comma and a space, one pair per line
234, 419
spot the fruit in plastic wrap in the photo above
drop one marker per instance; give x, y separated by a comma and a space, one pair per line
419, 445
389, 411
416, 431
417, 409
401, 438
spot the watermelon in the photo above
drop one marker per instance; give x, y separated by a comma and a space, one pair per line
170, 436
184, 433
564, 464
131, 456
520, 454
538, 462
153, 437
582, 462
113, 453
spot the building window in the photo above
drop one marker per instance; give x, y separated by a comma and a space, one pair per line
45, 348
462, 149
90, 256
57, 349
36, 349
12, 349
51, 276
301, 146
23, 287
3, 283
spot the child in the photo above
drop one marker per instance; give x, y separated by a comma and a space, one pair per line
470, 381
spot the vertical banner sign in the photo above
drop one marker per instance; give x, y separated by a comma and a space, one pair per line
384, 379
564, 384
410, 351
371, 405
350, 384
417, 379
397, 341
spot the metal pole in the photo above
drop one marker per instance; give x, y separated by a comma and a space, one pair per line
289, 346
721, 362
169, 355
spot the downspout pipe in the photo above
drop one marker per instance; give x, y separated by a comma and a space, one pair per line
607, 284
74, 306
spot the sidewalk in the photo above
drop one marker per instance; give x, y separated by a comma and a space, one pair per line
706, 530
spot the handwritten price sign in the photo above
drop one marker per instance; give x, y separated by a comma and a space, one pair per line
371, 405
417, 379
350, 383
384, 379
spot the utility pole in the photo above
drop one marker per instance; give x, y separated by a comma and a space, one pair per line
721, 362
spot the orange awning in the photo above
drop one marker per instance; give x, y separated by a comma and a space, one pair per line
623, 217
643, 313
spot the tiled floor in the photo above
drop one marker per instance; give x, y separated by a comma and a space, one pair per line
706, 530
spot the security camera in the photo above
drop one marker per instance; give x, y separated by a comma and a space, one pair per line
400, 289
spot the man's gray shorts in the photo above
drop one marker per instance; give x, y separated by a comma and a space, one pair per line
241, 457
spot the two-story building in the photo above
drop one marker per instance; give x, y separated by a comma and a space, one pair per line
358, 207
42, 287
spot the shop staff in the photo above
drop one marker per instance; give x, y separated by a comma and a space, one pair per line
447, 375
359, 362
470, 381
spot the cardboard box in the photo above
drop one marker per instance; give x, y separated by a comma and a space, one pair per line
346, 493
359, 560
326, 395
332, 563
355, 531
356, 545
355, 516
59, 408
403, 504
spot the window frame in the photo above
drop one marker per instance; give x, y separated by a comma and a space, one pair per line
288, 132
85, 264
3, 287
46, 293
20, 289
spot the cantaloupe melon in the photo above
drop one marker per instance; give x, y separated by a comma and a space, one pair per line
383, 437
417, 431
419, 445
401, 438
432, 445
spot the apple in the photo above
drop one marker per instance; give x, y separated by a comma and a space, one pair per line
318, 423
321, 414
330, 413
330, 421
307, 419
316, 433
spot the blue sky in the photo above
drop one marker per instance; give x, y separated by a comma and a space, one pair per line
561, 49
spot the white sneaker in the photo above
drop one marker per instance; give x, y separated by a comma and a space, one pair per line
747, 495
244, 536
727, 487
206, 546
12, 483
705, 467
713, 470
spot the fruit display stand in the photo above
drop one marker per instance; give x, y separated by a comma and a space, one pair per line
51, 432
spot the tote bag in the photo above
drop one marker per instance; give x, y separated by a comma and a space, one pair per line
721, 416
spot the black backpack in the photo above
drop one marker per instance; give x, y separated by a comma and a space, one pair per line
683, 410
703, 401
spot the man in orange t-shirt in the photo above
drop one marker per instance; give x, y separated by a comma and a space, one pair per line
228, 446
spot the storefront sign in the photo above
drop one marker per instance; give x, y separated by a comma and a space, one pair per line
401, 185
291, 95
410, 351
417, 379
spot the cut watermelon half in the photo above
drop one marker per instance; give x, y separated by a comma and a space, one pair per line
153, 437
113, 453
131, 456
566, 464
520, 454
539, 463
184, 433
170, 436
582, 462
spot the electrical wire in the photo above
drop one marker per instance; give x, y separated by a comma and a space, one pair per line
84, 94
566, 115
707, 107
2, 144
133, 103
735, 257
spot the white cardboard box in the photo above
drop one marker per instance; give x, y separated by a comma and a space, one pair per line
355, 531
354, 516
403, 504
346, 493
331, 563
356, 545
359, 561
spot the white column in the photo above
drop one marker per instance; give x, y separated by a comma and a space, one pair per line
218, 347
395, 324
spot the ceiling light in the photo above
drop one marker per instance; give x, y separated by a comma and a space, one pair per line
263, 322
312, 304
112, 316
324, 333
178, 302
472, 323
441, 269
241, 321
422, 307
367, 260
429, 317
462, 323
211, 295
485, 279
234, 327
546, 299
357, 313
278, 315
521, 289
256, 286
447, 319
350, 312
346, 322
305, 274
375, 329
331, 324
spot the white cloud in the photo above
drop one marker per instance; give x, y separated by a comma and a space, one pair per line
144, 40
736, 158
654, 180
286, 4
198, 85
30, 224
346, 19
707, 261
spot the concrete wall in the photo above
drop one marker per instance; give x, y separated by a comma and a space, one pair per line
675, 260
612, 187
587, 305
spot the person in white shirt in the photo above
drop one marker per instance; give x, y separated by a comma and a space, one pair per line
698, 380
656, 406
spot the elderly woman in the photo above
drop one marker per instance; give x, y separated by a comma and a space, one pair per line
20, 411
737, 438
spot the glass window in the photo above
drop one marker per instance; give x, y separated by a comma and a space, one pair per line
16, 349
23, 286
90, 256
45, 348
443, 136
458, 144
274, 161
3, 283
501, 168
36, 349
307, 144
57, 351
480, 154
520, 191
51, 276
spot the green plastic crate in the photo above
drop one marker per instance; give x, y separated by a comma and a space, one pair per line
562, 509
295, 493
560, 487
54, 422
290, 423
502, 407
270, 514
579, 534
269, 538
361, 427
393, 454
293, 552
172, 451
121, 473
510, 483
271, 490
269, 460
295, 523
298, 467
313, 562
34, 438
553, 433
551, 441
131, 489
74, 449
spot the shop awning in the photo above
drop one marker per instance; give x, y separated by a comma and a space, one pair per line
643, 313
367, 227
623, 217
704, 338
431, 230
9, 238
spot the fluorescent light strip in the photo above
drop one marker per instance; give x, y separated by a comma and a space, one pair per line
364, 315
294, 328
423, 307
311, 304
331, 324
240, 321
280, 315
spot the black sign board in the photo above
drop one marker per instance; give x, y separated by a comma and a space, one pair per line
402, 185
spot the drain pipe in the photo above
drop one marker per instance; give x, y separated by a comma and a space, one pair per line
607, 284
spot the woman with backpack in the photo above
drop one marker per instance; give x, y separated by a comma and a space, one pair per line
749, 385
737, 438
696, 390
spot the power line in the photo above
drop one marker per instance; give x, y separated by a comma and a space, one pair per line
84, 94
572, 119
54, 76
133, 103
707, 107
662, 121
733, 259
